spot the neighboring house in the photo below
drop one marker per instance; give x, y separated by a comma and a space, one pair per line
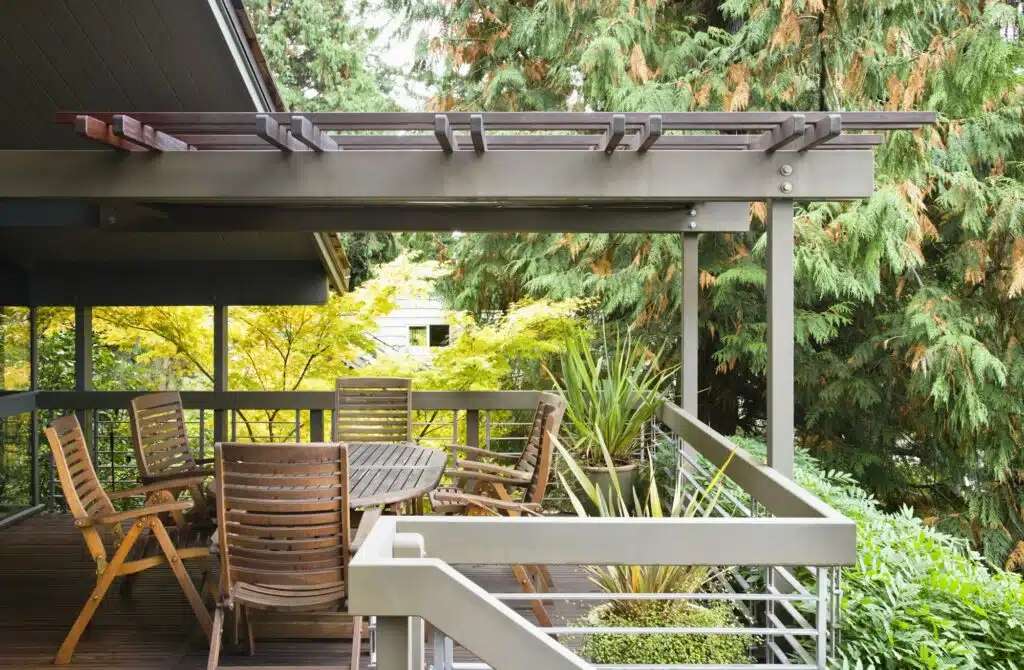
417, 327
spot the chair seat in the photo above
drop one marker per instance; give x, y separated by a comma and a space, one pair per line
260, 596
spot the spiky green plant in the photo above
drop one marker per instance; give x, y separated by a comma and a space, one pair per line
610, 394
612, 503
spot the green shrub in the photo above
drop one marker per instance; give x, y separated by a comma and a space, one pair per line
917, 598
668, 648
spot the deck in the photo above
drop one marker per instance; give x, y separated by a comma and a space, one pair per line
46, 575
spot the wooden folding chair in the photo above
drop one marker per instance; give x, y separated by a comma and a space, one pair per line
162, 451
284, 533
92, 510
467, 474
372, 409
501, 502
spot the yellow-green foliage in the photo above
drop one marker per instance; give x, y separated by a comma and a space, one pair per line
666, 648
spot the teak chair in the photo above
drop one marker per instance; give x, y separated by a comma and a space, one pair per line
537, 457
372, 409
92, 510
284, 533
468, 474
162, 451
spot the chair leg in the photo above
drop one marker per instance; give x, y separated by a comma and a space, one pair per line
536, 605
181, 574
104, 582
250, 639
215, 636
357, 641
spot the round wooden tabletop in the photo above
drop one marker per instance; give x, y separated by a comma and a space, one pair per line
383, 473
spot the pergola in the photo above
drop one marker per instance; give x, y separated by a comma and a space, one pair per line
209, 174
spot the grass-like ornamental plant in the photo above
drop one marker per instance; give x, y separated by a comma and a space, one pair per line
613, 503
610, 394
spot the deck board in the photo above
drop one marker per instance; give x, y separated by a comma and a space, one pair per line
46, 575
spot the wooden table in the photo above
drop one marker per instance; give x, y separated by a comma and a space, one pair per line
382, 473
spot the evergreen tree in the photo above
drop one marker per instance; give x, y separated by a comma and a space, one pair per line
909, 323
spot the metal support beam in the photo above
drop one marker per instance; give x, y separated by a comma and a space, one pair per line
276, 135
613, 136
33, 380
220, 368
789, 130
781, 434
649, 133
83, 367
477, 133
309, 134
718, 217
443, 133
412, 177
170, 283
689, 318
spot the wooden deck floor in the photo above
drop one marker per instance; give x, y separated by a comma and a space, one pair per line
46, 575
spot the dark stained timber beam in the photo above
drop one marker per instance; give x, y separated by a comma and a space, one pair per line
309, 134
275, 134
170, 283
444, 135
411, 177
94, 129
789, 130
823, 130
699, 217
649, 133
128, 128
477, 133
613, 136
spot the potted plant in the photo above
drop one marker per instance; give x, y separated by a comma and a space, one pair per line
611, 392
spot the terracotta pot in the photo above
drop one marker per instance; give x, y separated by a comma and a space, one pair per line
602, 478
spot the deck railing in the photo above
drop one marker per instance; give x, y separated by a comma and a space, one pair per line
776, 548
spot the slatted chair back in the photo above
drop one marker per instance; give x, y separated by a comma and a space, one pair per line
82, 489
284, 514
159, 436
537, 452
372, 409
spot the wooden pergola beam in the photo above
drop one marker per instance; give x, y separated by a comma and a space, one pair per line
95, 129
128, 128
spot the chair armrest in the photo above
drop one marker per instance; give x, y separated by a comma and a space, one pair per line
485, 502
518, 482
477, 466
497, 455
118, 517
179, 483
366, 524
181, 474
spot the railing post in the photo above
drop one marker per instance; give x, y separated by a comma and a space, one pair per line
83, 367
689, 319
220, 368
473, 427
400, 639
316, 425
33, 431
781, 343
822, 617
